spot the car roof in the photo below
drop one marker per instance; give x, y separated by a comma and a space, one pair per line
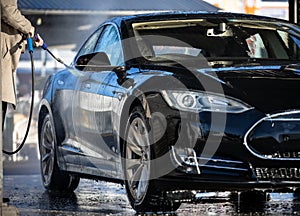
188, 14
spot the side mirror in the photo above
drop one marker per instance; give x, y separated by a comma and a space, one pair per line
92, 60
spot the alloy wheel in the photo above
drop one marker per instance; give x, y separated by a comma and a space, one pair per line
138, 157
47, 151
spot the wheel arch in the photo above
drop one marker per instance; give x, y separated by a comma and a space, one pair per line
130, 103
45, 109
142, 100
128, 106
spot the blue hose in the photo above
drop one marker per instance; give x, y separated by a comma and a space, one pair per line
30, 49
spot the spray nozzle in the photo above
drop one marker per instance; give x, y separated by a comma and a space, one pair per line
45, 47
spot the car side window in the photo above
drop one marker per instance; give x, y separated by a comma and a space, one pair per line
110, 43
89, 45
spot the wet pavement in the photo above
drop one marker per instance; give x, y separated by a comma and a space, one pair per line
23, 186
91, 198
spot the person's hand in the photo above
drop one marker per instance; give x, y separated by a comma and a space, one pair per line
31, 32
39, 41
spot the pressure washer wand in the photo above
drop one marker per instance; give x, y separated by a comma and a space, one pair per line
45, 47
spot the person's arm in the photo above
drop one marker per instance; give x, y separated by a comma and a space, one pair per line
11, 15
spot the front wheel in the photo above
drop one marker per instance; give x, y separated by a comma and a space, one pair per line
137, 154
53, 178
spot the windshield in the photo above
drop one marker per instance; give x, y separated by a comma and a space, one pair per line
216, 39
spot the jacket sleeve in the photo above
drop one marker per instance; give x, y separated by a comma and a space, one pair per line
11, 15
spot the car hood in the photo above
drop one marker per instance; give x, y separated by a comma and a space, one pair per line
268, 88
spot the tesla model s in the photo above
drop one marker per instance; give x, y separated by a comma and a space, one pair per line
170, 104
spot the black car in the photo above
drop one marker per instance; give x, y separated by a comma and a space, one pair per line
173, 103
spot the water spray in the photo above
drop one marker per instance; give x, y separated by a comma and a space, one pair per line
45, 47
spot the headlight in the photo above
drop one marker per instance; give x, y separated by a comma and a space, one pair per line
203, 101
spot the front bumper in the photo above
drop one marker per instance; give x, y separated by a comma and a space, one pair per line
242, 162
224, 175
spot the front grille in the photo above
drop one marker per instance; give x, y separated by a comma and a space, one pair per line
277, 173
275, 137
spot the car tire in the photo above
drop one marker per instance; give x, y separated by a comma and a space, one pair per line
143, 192
53, 178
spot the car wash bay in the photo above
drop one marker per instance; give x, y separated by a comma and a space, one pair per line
294, 16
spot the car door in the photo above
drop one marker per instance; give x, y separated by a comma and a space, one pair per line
96, 108
87, 115
75, 115
109, 43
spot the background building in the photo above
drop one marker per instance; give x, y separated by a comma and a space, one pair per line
67, 23
273, 8
278, 8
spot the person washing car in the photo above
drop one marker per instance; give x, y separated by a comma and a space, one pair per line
14, 29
